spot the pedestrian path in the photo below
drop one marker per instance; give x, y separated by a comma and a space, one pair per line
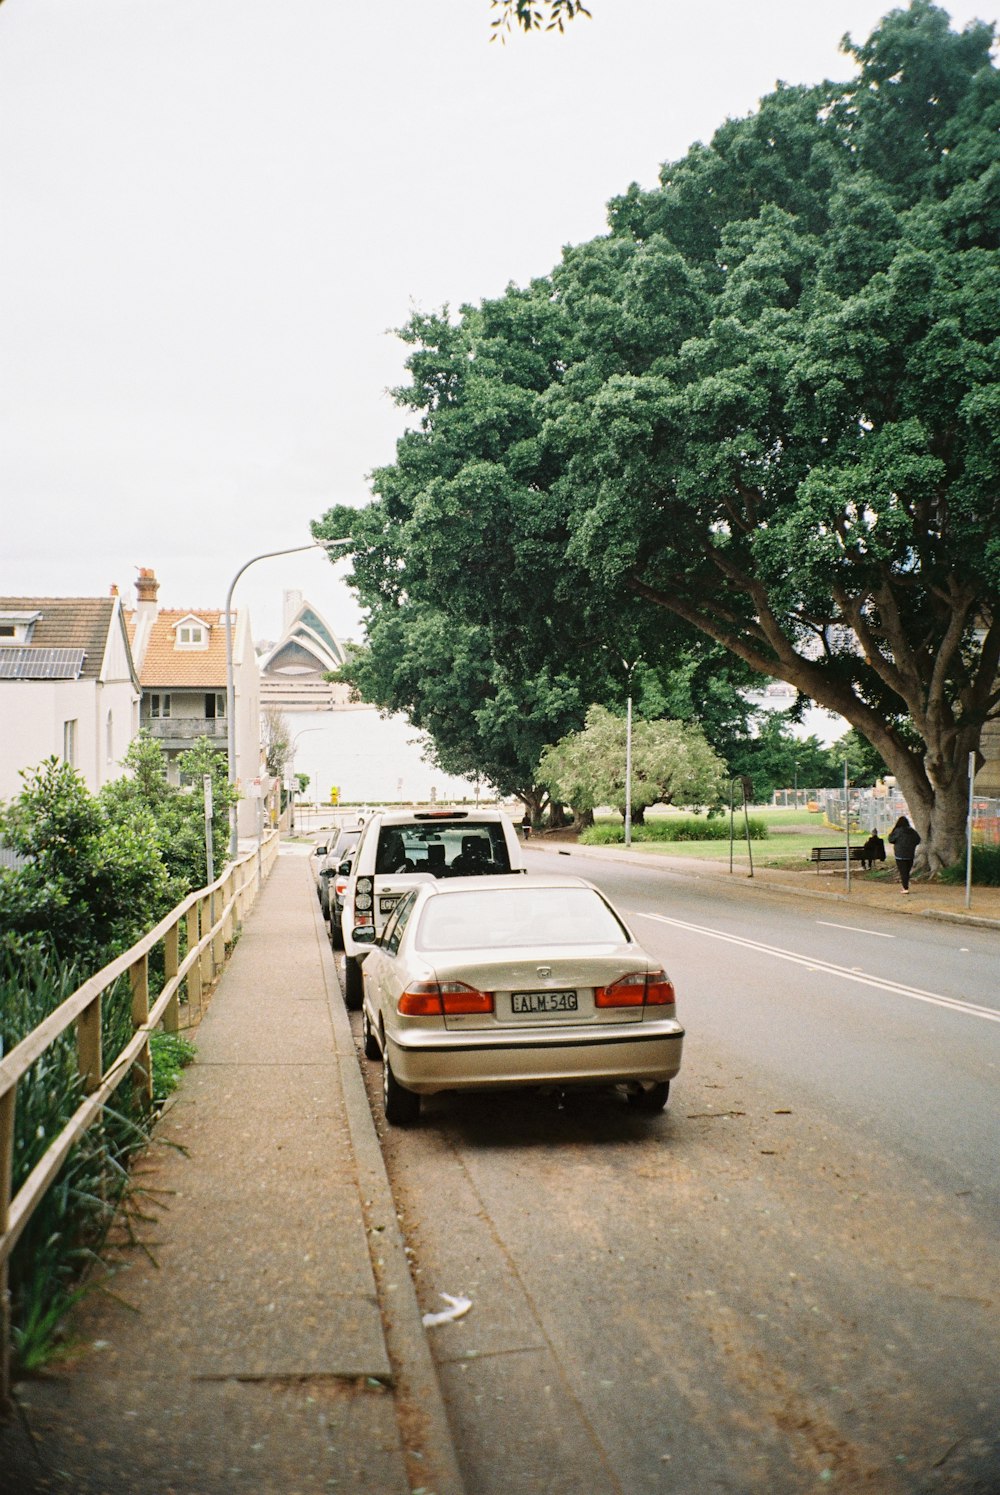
256, 1345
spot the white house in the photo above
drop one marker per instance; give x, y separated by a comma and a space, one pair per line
68, 687
181, 658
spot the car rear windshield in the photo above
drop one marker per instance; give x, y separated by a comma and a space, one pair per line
502, 918
465, 848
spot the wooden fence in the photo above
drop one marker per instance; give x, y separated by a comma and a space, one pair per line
211, 918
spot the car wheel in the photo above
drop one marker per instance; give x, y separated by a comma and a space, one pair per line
336, 933
400, 1106
372, 1050
648, 1098
353, 989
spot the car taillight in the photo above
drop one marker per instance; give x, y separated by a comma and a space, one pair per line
443, 998
637, 989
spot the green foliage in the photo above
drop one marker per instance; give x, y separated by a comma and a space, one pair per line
178, 815
671, 764
171, 1053
64, 1236
90, 883
985, 868
679, 828
761, 411
534, 15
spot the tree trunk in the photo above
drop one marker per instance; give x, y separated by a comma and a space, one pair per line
557, 815
937, 797
534, 801
582, 819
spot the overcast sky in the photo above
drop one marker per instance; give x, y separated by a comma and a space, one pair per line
213, 212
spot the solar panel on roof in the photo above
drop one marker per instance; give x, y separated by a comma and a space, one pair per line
27, 663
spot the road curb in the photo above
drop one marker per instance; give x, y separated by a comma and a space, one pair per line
425, 1433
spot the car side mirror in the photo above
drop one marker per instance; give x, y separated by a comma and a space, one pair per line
344, 870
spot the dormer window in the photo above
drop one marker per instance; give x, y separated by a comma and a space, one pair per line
191, 633
17, 628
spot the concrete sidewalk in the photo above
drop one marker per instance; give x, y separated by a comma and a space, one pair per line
271, 1340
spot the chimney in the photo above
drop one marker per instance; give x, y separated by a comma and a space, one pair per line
146, 589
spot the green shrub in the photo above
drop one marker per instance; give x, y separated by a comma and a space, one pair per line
170, 1053
985, 868
673, 828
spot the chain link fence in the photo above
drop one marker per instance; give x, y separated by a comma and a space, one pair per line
877, 810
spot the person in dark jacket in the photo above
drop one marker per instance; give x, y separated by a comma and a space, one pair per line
904, 841
873, 851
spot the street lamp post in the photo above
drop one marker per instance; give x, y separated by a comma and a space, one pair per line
628, 748
230, 680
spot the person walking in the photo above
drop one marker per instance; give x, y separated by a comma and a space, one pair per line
904, 841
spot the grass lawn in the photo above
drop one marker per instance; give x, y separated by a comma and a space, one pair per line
792, 832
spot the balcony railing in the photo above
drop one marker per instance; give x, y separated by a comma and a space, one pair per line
184, 728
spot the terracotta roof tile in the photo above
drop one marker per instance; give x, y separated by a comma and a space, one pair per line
166, 667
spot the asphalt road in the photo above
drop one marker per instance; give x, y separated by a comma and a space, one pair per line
787, 1281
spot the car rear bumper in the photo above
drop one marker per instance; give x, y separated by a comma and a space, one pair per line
427, 1062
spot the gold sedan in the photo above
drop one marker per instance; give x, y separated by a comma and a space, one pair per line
483, 983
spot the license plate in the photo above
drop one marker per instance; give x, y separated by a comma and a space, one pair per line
386, 905
527, 1002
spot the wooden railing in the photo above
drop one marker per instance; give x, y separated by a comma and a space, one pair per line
211, 918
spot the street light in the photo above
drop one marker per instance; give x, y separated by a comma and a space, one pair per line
628, 668
230, 682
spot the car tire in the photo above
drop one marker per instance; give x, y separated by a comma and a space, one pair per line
372, 1050
353, 989
336, 933
648, 1098
401, 1106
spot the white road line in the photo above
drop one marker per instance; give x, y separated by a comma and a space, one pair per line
856, 929
952, 1004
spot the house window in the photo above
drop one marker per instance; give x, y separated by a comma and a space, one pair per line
7, 630
192, 636
159, 706
215, 706
69, 743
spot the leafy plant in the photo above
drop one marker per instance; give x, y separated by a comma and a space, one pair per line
985, 868
171, 1053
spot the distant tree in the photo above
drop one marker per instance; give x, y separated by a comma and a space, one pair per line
672, 764
864, 766
276, 737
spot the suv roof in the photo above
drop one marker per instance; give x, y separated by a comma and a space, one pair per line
437, 812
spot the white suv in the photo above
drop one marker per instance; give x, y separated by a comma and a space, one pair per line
399, 848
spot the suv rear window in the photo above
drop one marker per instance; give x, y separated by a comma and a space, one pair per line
467, 848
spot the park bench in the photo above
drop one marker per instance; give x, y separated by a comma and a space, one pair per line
834, 854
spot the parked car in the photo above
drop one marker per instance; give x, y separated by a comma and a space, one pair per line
336, 888
316, 857
339, 846
530, 980
401, 848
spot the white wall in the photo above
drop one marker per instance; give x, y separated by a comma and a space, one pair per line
32, 713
